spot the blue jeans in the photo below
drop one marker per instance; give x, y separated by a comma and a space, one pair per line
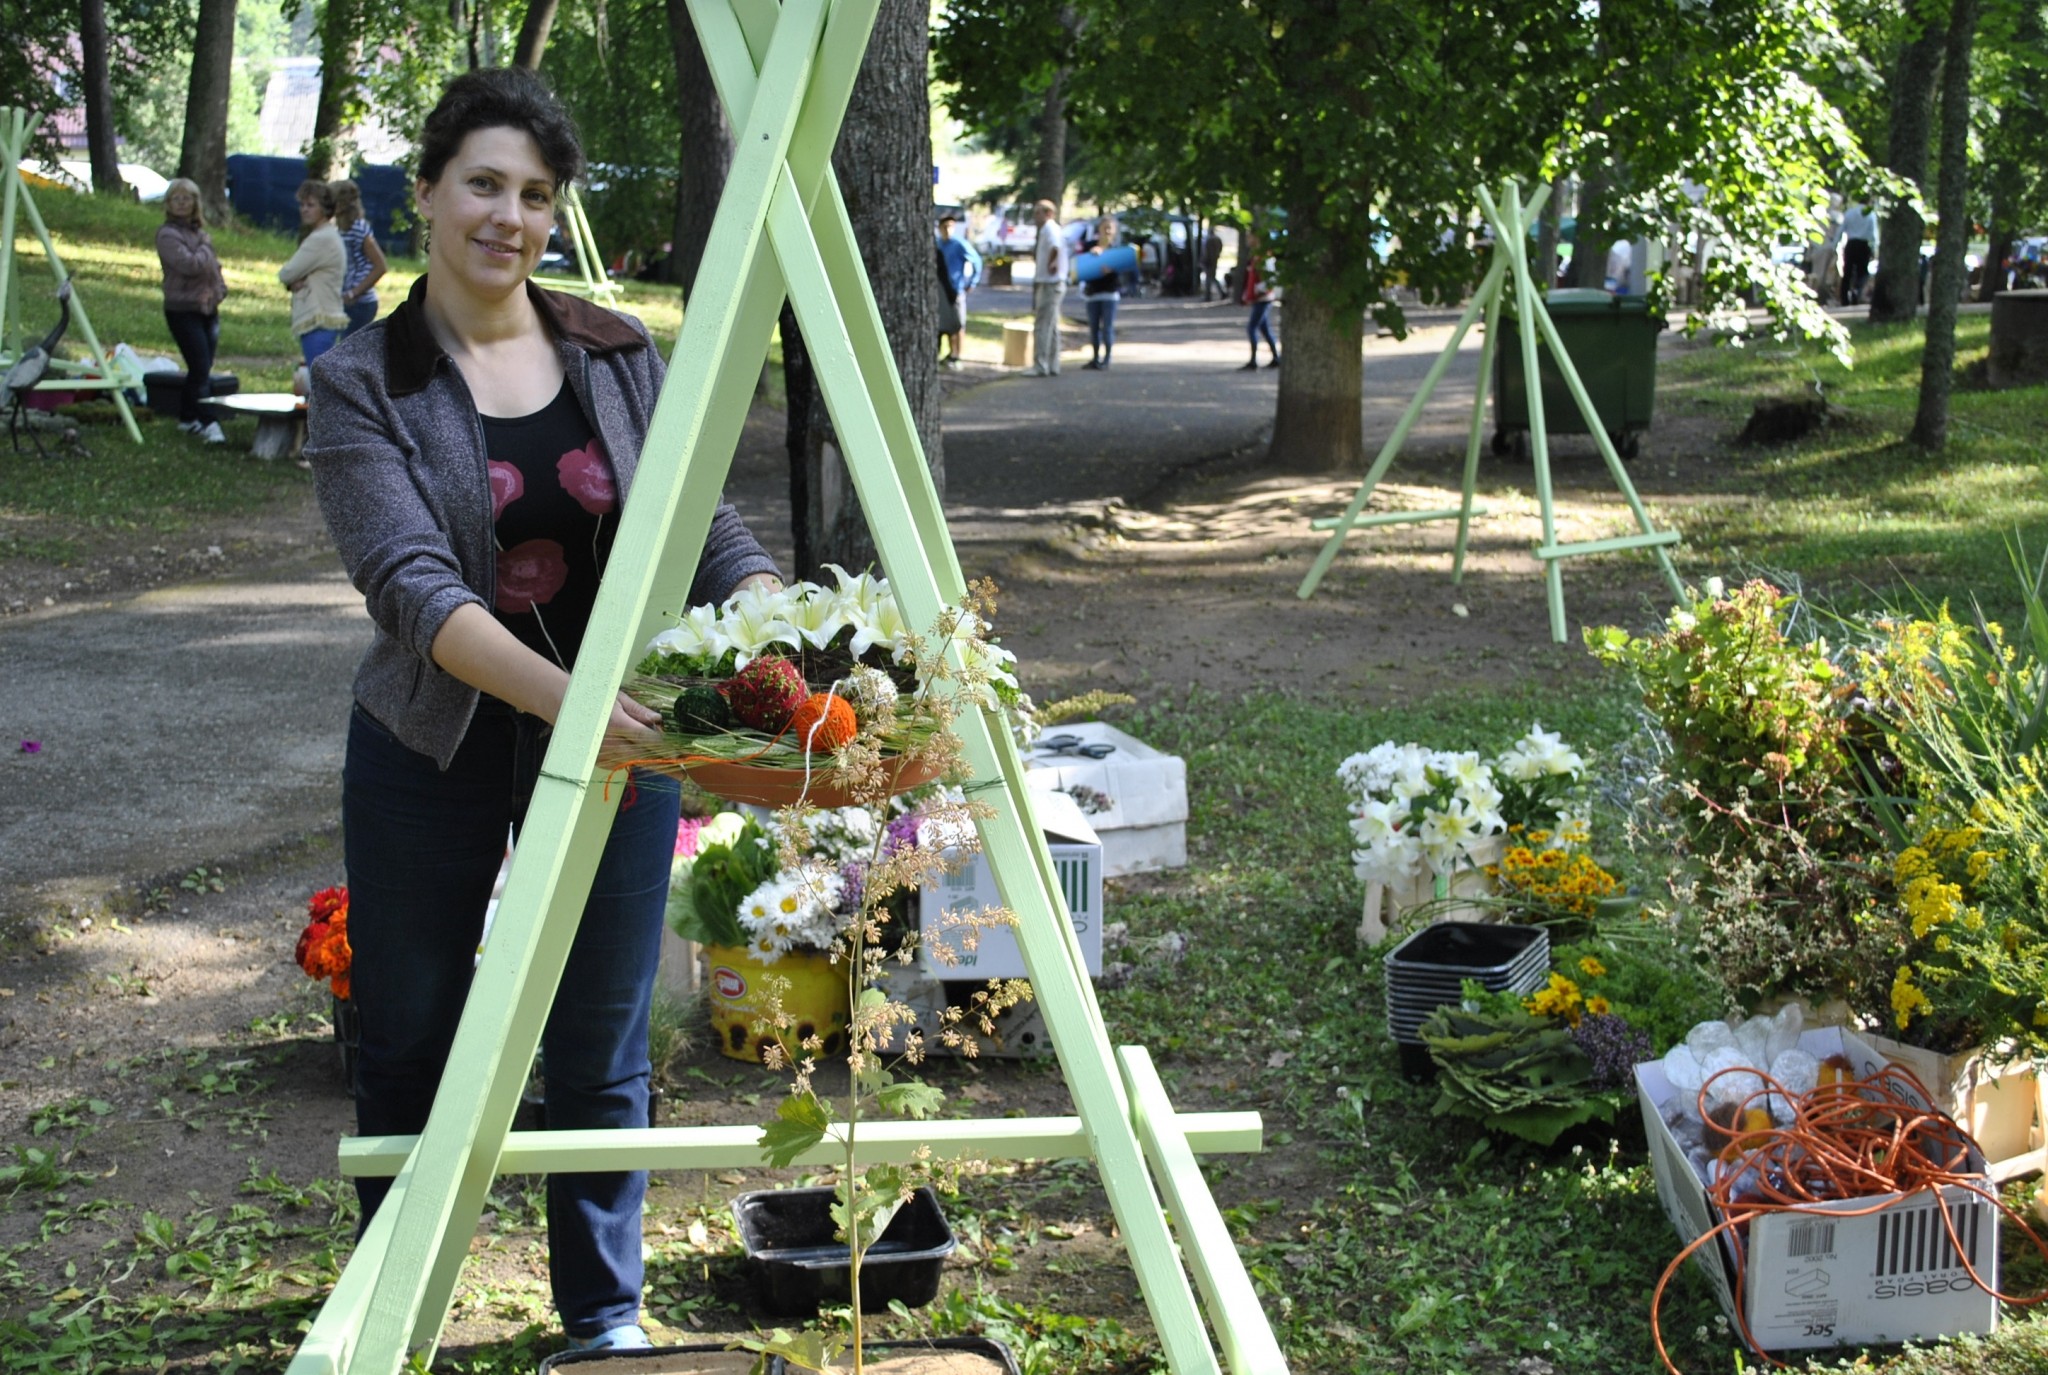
422, 849
315, 342
359, 313
1258, 324
1101, 325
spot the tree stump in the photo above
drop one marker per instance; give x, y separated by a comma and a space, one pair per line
2019, 338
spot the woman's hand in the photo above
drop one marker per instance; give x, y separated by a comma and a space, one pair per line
633, 725
767, 582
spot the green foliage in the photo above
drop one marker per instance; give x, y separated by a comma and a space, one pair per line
1512, 1072
721, 877
1651, 976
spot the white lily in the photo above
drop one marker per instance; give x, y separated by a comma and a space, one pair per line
697, 635
754, 619
816, 618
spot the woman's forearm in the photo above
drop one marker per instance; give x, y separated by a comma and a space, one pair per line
475, 647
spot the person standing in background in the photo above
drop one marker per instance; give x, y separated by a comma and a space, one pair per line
1859, 244
1048, 290
193, 291
314, 273
961, 268
1212, 257
366, 265
1101, 294
1258, 294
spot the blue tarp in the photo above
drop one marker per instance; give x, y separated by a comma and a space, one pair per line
264, 190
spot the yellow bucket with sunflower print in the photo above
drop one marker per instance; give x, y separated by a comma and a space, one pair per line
810, 989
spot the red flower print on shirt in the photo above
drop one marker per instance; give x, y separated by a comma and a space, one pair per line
588, 478
529, 574
508, 484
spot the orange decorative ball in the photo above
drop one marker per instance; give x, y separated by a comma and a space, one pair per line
823, 724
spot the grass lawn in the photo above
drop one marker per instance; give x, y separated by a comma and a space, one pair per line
1855, 509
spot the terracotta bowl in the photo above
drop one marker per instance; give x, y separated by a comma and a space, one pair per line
779, 787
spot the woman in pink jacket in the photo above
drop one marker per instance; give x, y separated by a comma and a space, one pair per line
193, 291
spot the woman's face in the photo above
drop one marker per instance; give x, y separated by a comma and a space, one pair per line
491, 210
312, 214
180, 204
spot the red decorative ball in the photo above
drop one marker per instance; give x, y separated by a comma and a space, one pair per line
766, 692
823, 724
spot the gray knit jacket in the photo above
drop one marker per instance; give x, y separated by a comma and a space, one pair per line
398, 462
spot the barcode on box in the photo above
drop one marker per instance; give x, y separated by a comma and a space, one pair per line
1814, 1238
1074, 888
965, 879
1913, 1241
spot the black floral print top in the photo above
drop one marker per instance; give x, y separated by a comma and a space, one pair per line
555, 507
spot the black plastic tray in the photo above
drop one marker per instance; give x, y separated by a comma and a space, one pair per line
1468, 948
653, 1357
798, 1265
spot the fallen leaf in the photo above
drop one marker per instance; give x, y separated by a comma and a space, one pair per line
1459, 609
1278, 1059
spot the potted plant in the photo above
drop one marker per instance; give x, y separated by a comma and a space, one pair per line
1430, 822
323, 953
1765, 811
1967, 1009
857, 1221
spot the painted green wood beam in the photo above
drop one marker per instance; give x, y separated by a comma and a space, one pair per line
739, 1147
1344, 523
17, 130
1248, 1347
1397, 518
1654, 540
1491, 305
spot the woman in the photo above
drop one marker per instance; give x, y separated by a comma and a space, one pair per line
471, 452
1258, 294
1100, 294
366, 265
315, 273
193, 291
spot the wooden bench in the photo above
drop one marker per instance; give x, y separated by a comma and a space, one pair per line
280, 420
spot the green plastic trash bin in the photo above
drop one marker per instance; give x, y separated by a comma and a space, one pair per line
1612, 341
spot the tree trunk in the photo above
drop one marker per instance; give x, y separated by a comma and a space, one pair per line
99, 99
1589, 235
706, 151
884, 163
1895, 290
1548, 225
799, 390
333, 149
533, 34
1317, 425
1945, 287
1051, 175
203, 156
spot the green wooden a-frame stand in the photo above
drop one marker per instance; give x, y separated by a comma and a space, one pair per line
784, 73
596, 283
1510, 260
97, 374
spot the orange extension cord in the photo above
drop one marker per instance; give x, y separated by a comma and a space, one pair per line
1846, 1140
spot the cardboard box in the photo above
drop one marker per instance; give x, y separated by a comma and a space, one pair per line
1076, 857
1818, 1277
1020, 1032
1145, 826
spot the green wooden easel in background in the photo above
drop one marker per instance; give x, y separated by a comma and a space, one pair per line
784, 72
1509, 271
94, 374
594, 282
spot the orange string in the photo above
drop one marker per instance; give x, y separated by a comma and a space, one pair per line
1844, 1141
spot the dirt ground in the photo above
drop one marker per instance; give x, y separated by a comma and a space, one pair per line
163, 1038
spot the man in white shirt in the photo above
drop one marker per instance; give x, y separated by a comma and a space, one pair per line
1048, 290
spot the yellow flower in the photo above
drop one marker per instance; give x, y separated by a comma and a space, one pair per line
1597, 1005
1906, 999
1559, 998
1591, 967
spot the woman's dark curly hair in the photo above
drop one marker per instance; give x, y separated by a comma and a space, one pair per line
501, 98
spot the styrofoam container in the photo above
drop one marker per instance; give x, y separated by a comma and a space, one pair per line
1857, 1272
1144, 827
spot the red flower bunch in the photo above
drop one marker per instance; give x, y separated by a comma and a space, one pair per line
323, 950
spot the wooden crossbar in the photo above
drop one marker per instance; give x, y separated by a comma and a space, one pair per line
1396, 518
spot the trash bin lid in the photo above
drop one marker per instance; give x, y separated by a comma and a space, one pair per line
1590, 301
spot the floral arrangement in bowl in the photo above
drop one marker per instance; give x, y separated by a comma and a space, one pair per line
323, 949
815, 693
1416, 810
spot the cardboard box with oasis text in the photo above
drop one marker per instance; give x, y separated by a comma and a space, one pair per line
970, 887
1848, 1273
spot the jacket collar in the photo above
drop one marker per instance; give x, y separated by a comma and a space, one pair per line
411, 353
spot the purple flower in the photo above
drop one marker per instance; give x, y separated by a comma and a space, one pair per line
901, 833
31, 747
1614, 1047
